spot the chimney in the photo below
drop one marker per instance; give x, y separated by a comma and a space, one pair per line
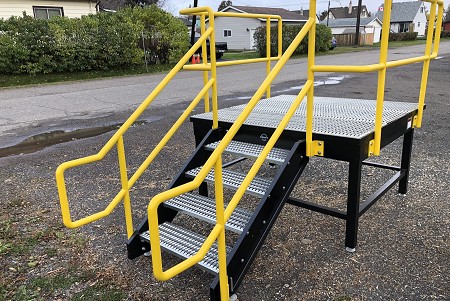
301, 11
350, 7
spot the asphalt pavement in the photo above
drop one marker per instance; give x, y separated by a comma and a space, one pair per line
403, 248
29, 111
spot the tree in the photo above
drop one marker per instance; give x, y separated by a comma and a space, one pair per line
141, 3
224, 4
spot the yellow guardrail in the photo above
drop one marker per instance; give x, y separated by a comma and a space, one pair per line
117, 139
214, 161
431, 52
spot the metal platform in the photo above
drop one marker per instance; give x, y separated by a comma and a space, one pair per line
339, 117
346, 126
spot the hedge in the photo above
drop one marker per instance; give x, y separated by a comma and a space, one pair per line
323, 39
402, 36
445, 34
93, 42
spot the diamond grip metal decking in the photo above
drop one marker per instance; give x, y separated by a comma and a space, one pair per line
233, 179
184, 243
250, 150
342, 117
204, 208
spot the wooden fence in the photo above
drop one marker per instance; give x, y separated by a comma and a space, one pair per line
348, 39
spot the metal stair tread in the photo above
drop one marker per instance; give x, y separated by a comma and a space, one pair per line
233, 179
250, 150
185, 243
204, 208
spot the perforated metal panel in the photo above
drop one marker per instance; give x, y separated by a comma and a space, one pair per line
342, 117
184, 244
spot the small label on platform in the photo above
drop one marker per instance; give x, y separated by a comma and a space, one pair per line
409, 125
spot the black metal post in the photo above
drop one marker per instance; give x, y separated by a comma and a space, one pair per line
353, 196
358, 22
194, 20
328, 12
406, 161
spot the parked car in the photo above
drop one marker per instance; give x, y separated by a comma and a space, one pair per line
333, 43
221, 47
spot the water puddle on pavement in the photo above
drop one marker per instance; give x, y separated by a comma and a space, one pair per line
41, 141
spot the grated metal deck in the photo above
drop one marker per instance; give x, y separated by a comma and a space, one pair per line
341, 117
184, 244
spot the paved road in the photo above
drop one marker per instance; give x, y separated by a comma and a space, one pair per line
25, 112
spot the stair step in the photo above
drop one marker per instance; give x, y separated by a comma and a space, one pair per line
233, 180
204, 208
185, 243
249, 150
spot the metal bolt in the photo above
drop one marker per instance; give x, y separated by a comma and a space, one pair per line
289, 163
320, 143
284, 187
143, 248
371, 142
370, 154
248, 232
319, 153
268, 196
242, 260
264, 222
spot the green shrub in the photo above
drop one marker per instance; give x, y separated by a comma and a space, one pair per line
402, 36
93, 42
323, 39
445, 34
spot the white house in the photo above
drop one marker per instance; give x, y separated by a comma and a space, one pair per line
407, 17
238, 32
45, 9
348, 25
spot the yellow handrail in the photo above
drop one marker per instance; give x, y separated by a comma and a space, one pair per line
431, 52
117, 138
212, 161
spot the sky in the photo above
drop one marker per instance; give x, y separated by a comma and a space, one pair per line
372, 5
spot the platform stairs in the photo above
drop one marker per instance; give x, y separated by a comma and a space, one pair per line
220, 168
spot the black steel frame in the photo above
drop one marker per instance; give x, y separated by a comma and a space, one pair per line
351, 150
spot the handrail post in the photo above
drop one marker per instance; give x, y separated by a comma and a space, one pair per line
426, 65
310, 95
212, 54
124, 180
220, 218
205, 60
381, 77
280, 37
268, 54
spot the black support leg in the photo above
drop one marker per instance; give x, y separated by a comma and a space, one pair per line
353, 192
406, 161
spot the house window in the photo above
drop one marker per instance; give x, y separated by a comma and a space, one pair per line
41, 12
418, 24
227, 32
421, 10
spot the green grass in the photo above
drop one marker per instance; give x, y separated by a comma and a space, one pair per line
99, 293
240, 55
25, 79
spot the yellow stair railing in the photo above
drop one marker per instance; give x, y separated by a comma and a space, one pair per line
313, 148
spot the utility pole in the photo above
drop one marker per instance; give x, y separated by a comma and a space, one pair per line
194, 20
358, 21
328, 12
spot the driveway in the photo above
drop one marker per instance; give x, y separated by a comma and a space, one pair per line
29, 111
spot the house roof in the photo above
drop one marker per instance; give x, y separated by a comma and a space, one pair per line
186, 21
402, 11
302, 12
348, 22
283, 13
342, 12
